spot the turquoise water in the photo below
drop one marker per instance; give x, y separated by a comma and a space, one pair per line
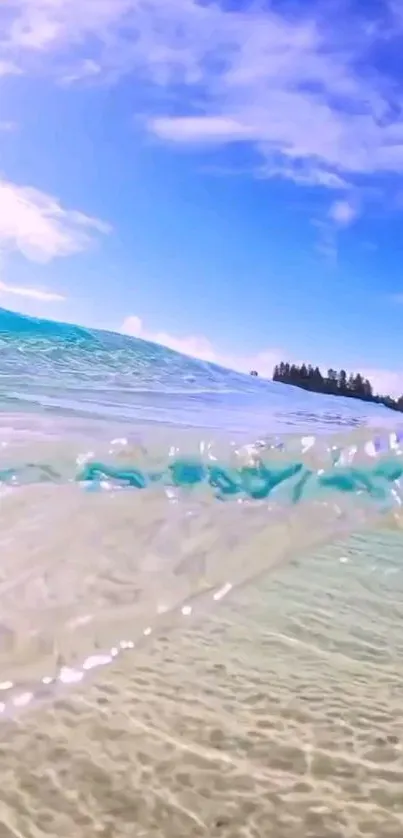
53, 368
141, 487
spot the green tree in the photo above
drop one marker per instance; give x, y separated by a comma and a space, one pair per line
342, 381
353, 385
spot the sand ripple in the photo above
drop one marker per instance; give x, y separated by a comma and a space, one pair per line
283, 718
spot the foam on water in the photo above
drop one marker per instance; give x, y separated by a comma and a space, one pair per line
139, 487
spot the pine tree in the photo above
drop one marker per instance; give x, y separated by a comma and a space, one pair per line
336, 383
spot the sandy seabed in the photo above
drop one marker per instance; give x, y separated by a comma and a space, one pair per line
281, 716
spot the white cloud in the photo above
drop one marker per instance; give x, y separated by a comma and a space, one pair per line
86, 69
36, 225
40, 26
385, 382
343, 213
302, 90
304, 173
9, 68
200, 347
30, 293
197, 129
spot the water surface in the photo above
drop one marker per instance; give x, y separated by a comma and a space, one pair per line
200, 591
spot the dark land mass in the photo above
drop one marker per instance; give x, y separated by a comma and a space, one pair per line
335, 383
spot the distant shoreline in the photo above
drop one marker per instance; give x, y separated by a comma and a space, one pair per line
335, 383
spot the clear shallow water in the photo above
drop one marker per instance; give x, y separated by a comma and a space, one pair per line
139, 487
142, 491
280, 714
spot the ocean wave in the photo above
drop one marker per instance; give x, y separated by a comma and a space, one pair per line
40, 354
128, 506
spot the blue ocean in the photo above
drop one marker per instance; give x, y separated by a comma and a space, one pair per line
200, 597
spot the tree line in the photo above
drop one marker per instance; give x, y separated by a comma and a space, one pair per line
335, 383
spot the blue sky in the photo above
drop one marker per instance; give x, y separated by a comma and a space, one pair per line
225, 178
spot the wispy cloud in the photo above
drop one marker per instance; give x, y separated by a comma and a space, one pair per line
343, 213
384, 381
36, 224
30, 293
86, 69
9, 68
300, 88
201, 129
198, 346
